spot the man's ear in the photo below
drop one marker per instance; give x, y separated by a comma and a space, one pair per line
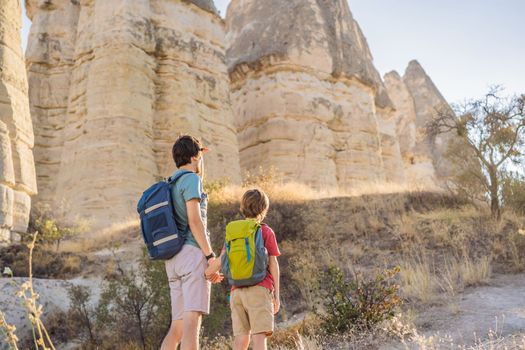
195, 158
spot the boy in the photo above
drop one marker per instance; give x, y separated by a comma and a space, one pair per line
253, 307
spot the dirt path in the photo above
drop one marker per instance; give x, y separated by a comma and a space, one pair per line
478, 315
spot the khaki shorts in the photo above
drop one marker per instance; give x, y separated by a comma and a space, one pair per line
252, 310
189, 289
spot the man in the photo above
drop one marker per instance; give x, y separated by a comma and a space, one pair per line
189, 289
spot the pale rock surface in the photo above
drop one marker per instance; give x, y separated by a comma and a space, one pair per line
393, 164
305, 93
416, 100
404, 114
50, 59
52, 296
17, 169
427, 102
113, 84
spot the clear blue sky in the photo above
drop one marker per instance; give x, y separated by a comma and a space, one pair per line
464, 45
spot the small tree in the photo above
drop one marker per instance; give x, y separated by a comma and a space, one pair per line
492, 130
51, 231
81, 315
135, 305
514, 191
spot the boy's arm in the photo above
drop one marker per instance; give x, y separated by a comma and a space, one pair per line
196, 225
275, 272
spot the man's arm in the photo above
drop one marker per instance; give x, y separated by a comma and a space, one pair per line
275, 272
197, 226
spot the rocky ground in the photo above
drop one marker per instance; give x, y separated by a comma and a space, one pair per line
486, 317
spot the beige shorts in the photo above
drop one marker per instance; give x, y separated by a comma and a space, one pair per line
189, 289
252, 310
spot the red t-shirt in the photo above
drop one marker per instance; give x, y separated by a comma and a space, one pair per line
270, 243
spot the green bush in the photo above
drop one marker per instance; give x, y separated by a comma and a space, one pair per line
135, 306
357, 302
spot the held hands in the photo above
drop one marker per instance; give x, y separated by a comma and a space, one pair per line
212, 272
215, 278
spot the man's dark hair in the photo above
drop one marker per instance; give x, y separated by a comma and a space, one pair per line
184, 148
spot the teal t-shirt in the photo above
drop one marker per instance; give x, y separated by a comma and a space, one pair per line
188, 187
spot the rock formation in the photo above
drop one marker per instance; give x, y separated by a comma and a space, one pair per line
307, 97
416, 100
428, 101
112, 84
17, 169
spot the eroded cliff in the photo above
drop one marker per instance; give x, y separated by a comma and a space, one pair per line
113, 83
306, 94
17, 169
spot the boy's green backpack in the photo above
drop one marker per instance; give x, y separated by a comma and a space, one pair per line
245, 262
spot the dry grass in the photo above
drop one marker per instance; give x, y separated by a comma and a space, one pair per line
418, 281
514, 243
115, 235
426, 278
271, 177
9, 333
309, 343
451, 216
218, 343
459, 273
281, 340
294, 191
302, 343
46, 263
379, 225
496, 341
307, 335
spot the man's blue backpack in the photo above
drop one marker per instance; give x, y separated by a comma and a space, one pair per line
157, 220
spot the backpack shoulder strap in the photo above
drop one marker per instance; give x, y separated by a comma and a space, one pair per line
173, 180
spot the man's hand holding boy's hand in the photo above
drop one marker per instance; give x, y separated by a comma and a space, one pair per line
212, 272
215, 278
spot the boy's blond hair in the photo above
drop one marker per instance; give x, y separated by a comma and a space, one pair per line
255, 204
